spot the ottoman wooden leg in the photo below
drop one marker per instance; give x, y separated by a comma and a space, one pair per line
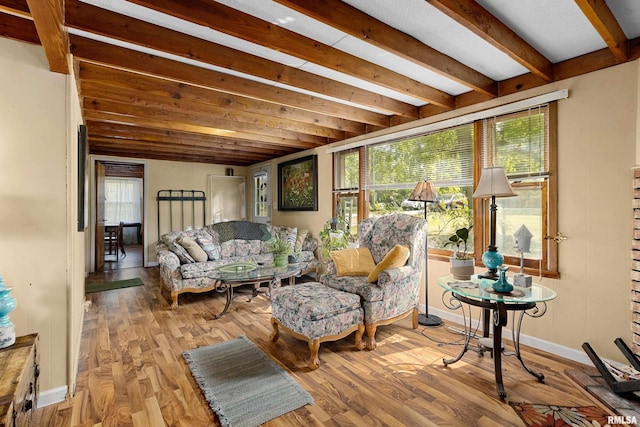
276, 332
314, 360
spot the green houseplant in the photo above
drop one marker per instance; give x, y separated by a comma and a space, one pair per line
280, 249
333, 237
461, 264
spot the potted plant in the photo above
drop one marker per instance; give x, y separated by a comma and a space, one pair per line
461, 264
294, 257
333, 237
280, 249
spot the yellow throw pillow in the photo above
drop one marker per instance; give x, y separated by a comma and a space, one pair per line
353, 261
397, 257
193, 248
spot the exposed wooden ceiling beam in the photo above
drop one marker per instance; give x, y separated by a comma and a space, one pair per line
352, 21
201, 117
48, 16
132, 60
238, 24
126, 80
602, 19
138, 133
186, 126
15, 7
172, 147
477, 19
100, 21
137, 152
104, 92
17, 28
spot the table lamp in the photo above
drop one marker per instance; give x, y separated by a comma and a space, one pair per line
493, 183
426, 192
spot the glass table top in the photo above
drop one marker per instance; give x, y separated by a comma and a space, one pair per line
244, 272
481, 289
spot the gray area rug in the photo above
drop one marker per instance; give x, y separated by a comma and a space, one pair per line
242, 384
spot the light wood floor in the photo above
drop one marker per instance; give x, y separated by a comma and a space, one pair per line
132, 372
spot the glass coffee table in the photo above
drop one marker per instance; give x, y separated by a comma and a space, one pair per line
230, 276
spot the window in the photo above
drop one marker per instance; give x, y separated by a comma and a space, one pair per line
522, 142
347, 185
123, 199
445, 158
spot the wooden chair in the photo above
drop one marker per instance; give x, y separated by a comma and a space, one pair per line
113, 239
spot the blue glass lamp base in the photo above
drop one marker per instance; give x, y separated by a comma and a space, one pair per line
492, 260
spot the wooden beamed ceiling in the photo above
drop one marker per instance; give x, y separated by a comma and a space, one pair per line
145, 103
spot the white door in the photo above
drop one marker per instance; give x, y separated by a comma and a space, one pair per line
261, 210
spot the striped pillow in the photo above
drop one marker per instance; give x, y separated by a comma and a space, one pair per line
212, 250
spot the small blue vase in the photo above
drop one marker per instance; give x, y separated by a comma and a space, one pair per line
501, 285
7, 304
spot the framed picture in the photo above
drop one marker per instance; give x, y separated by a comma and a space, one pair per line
83, 179
298, 184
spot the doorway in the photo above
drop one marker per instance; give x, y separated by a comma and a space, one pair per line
119, 215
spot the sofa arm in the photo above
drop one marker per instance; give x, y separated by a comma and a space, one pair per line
169, 265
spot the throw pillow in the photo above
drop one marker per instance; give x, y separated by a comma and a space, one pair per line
302, 234
353, 261
286, 233
396, 257
181, 253
212, 250
196, 252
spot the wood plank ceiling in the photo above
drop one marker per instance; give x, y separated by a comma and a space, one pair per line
151, 91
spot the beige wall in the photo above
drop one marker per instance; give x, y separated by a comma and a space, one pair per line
166, 175
41, 254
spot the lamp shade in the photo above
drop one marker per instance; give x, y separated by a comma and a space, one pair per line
424, 192
493, 183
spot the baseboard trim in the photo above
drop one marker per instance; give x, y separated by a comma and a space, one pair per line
550, 347
49, 397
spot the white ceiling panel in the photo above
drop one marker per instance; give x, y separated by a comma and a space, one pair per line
627, 13
543, 23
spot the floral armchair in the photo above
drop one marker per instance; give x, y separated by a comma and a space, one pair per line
396, 293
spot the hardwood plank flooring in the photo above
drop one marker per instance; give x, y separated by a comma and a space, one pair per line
132, 372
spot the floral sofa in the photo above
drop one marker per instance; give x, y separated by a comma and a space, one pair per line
395, 293
223, 243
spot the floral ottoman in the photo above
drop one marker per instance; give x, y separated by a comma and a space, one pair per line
316, 313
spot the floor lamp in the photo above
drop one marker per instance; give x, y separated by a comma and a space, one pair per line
493, 183
426, 192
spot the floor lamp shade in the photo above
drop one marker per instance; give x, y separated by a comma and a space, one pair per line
425, 192
493, 183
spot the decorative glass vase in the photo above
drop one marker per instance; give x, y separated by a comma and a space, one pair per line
7, 304
501, 285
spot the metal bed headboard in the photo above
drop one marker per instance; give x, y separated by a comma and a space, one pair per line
182, 207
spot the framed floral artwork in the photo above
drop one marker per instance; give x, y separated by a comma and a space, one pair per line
298, 184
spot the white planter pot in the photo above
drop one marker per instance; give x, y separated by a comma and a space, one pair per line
462, 269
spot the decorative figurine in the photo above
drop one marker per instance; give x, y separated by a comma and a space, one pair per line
523, 244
